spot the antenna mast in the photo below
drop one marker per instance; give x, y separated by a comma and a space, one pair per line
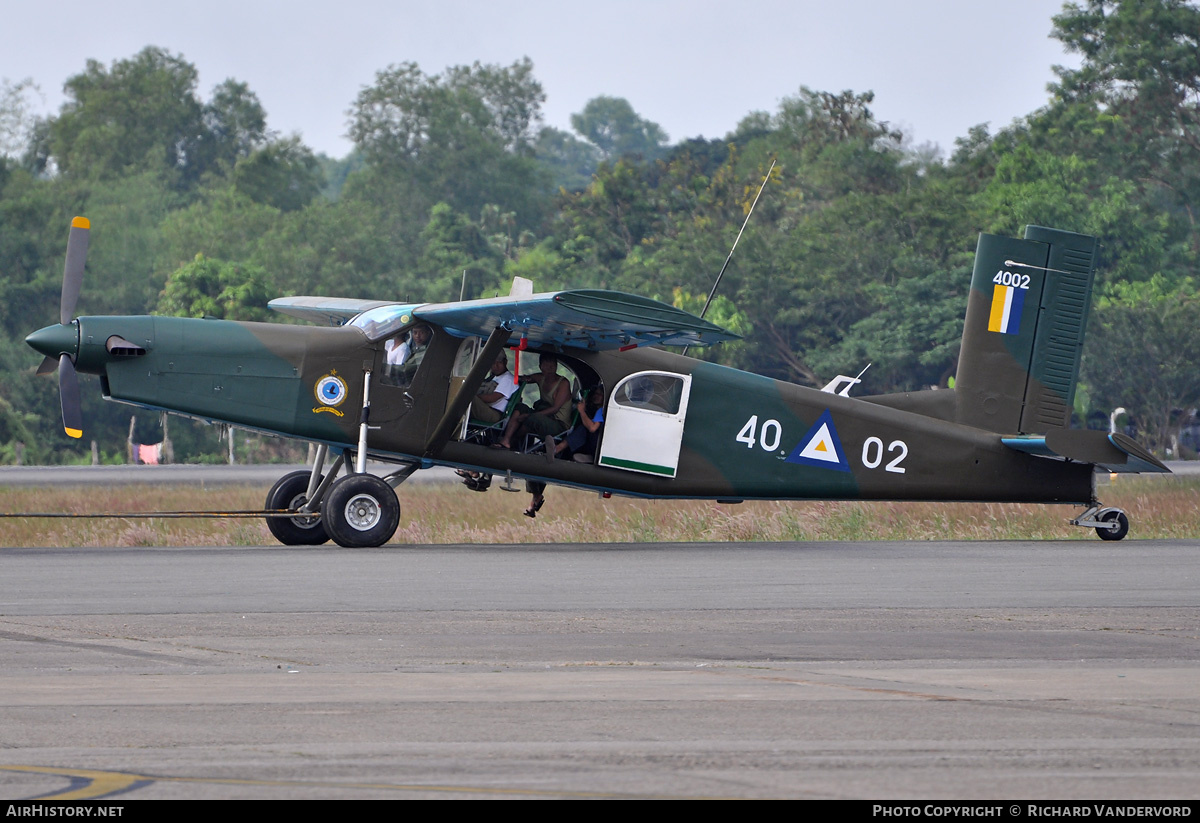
745, 222
712, 293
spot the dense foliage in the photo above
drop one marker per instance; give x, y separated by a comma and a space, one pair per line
859, 251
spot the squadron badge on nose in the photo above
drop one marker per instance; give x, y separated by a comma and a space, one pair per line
330, 391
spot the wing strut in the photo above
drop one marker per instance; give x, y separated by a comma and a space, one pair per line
471, 383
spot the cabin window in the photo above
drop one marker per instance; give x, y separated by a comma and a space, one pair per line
654, 392
468, 350
404, 353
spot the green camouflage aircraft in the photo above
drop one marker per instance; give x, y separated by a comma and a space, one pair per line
675, 427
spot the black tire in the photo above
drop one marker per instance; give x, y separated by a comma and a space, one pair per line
1117, 533
290, 493
360, 511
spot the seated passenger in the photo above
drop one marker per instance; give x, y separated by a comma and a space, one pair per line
491, 402
489, 406
551, 414
581, 444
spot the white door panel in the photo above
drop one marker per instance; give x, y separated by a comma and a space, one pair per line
643, 424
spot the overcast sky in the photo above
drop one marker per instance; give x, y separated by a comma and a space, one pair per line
695, 67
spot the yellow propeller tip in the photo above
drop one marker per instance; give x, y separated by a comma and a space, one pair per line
81, 223
76, 433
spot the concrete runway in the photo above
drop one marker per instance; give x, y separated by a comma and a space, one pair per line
823, 670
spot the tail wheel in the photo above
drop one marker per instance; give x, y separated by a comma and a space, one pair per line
360, 511
1117, 528
290, 492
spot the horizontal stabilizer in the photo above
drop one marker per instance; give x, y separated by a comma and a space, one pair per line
332, 311
1112, 452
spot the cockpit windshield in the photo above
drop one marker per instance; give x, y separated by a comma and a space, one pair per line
381, 322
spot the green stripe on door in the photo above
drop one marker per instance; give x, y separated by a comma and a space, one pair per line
618, 463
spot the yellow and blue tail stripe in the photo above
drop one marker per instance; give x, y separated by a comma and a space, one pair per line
1007, 302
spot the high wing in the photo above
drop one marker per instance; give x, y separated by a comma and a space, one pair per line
590, 319
582, 318
332, 311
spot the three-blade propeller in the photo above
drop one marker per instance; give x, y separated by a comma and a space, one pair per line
68, 380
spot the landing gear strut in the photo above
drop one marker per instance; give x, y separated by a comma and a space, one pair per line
1109, 522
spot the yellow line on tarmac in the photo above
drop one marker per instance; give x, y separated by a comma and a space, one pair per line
99, 783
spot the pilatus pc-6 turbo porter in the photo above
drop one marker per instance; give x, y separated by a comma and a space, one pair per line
675, 427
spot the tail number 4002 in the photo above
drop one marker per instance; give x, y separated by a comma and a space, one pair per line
770, 435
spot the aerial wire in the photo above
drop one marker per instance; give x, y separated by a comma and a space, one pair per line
732, 249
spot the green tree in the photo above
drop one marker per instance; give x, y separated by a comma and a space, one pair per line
811, 121
603, 224
141, 112
34, 215
511, 95
127, 215
334, 173
16, 116
1134, 103
570, 161
1141, 60
342, 249
235, 125
463, 137
215, 288
1037, 187
284, 174
1142, 354
616, 130
144, 114
454, 244
222, 223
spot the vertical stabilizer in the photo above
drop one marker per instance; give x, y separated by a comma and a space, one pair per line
1026, 317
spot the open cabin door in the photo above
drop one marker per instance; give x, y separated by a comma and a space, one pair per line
468, 351
393, 394
643, 424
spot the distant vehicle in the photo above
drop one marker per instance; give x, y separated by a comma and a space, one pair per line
675, 427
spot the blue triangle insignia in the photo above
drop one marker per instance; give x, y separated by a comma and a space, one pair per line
821, 447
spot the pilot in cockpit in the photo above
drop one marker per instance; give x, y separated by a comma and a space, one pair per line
400, 351
405, 355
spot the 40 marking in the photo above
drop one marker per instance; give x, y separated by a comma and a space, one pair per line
771, 434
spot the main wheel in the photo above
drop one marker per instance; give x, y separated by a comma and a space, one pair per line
360, 511
291, 492
1114, 532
